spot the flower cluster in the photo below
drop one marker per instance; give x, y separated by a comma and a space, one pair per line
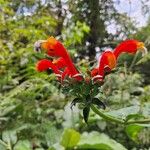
63, 66
85, 88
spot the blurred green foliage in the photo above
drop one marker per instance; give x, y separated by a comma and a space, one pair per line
34, 114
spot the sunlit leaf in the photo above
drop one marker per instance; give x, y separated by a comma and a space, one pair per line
95, 140
23, 145
70, 138
9, 137
134, 130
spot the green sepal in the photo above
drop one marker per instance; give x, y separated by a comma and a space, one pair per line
75, 101
99, 103
86, 112
49, 71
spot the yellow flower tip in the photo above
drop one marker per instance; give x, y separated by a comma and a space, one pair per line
49, 43
112, 62
141, 47
51, 40
55, 61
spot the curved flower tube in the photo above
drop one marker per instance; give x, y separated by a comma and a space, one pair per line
94, 72
44, 65
106, 64
108, 58
65, 73
55, 48
129, 46
60, 63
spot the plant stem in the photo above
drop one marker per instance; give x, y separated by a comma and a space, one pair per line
133, 61
138, 121
106, 117
116, 120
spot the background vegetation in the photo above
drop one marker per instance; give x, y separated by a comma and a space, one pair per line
34, 113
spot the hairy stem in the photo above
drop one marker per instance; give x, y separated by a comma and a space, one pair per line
138, 121
106, 117
116, 120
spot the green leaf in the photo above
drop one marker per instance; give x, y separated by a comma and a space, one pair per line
9, 137
134, 130
52, 134
2, 145
95, 140
133, 116
70, 138
124, 112
57, 146
86, 111
8, 111
23, 145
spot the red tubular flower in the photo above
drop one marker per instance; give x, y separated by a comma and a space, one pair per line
44, 65
65, 73
108, 58
107, 63
55, 48
60, 63
94, 72
129, 46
